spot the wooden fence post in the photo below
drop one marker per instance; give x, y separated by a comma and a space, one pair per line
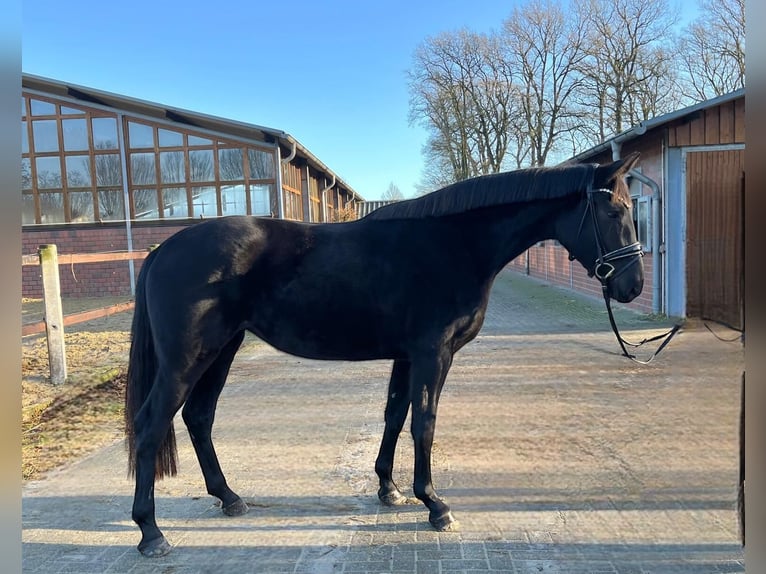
54, 316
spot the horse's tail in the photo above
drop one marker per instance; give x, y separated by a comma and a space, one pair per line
142, 369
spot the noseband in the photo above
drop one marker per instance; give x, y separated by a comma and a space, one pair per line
604, 271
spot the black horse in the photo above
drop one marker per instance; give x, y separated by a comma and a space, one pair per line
410, 282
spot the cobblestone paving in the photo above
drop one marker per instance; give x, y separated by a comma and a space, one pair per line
555, 453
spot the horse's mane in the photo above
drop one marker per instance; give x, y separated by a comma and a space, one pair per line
518, 186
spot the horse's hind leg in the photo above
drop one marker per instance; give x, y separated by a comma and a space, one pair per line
152, 424
199, 413
397, 405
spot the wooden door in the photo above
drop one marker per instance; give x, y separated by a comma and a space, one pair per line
714, 236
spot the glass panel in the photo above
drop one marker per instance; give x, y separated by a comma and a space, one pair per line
196, 140
170, 138
174, 202
108, 169
45, 135
204, 202
75, 134
140, 135
24, 138
28, 209
48, 172
230, 164
145, 203
201, 165
51, 208
23, 106
111, 204
78, 171
233, 200
260, 199
104, 133
81, 206
26, 173
68, 111
40, 108
142, 168
172, 167
261, 164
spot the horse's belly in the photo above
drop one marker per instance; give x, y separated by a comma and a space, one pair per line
326, 343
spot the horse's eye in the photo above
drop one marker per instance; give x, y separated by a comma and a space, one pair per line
613, 214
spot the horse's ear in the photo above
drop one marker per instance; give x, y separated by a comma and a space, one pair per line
629, 161
612, 171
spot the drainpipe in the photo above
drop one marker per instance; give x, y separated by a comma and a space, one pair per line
322, 199
126, 200
656, 204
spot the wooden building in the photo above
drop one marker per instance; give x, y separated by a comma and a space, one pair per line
688, 192
105, 172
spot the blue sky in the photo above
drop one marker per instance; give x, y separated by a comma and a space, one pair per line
331, 73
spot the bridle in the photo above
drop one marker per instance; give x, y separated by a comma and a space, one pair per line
605, 271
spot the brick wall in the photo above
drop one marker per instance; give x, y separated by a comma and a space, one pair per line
110, 278
551, 263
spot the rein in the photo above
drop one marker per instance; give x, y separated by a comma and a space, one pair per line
604, 271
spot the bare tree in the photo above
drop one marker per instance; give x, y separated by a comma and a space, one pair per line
393, 193
546, 46
712, 50
462, 91
629, 52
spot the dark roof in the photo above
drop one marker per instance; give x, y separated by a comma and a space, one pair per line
188, 118
646, 125
364, 208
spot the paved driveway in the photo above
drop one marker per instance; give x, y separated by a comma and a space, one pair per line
555, 453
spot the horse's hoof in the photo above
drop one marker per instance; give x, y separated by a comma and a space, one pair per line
236, 508
444, 523
155, 548
395, 498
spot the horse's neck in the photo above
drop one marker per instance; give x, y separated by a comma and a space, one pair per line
500, 235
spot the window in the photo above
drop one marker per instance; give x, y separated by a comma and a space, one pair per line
142, 168
78, 171
45, 136
48, 170
75, 134
230, 164
69, 161
111, 204
104, 133
201, 165
174, 202
41, 108
72, 168
260, 199
261, 164
204, 202
233, 200
172, 167
140, 135
642, 219
642, 213
170, 138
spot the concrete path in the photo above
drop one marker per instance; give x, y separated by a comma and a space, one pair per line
555, 453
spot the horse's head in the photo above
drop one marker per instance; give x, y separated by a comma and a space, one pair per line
600, 233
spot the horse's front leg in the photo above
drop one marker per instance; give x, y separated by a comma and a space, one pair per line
427, 375
397, 405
